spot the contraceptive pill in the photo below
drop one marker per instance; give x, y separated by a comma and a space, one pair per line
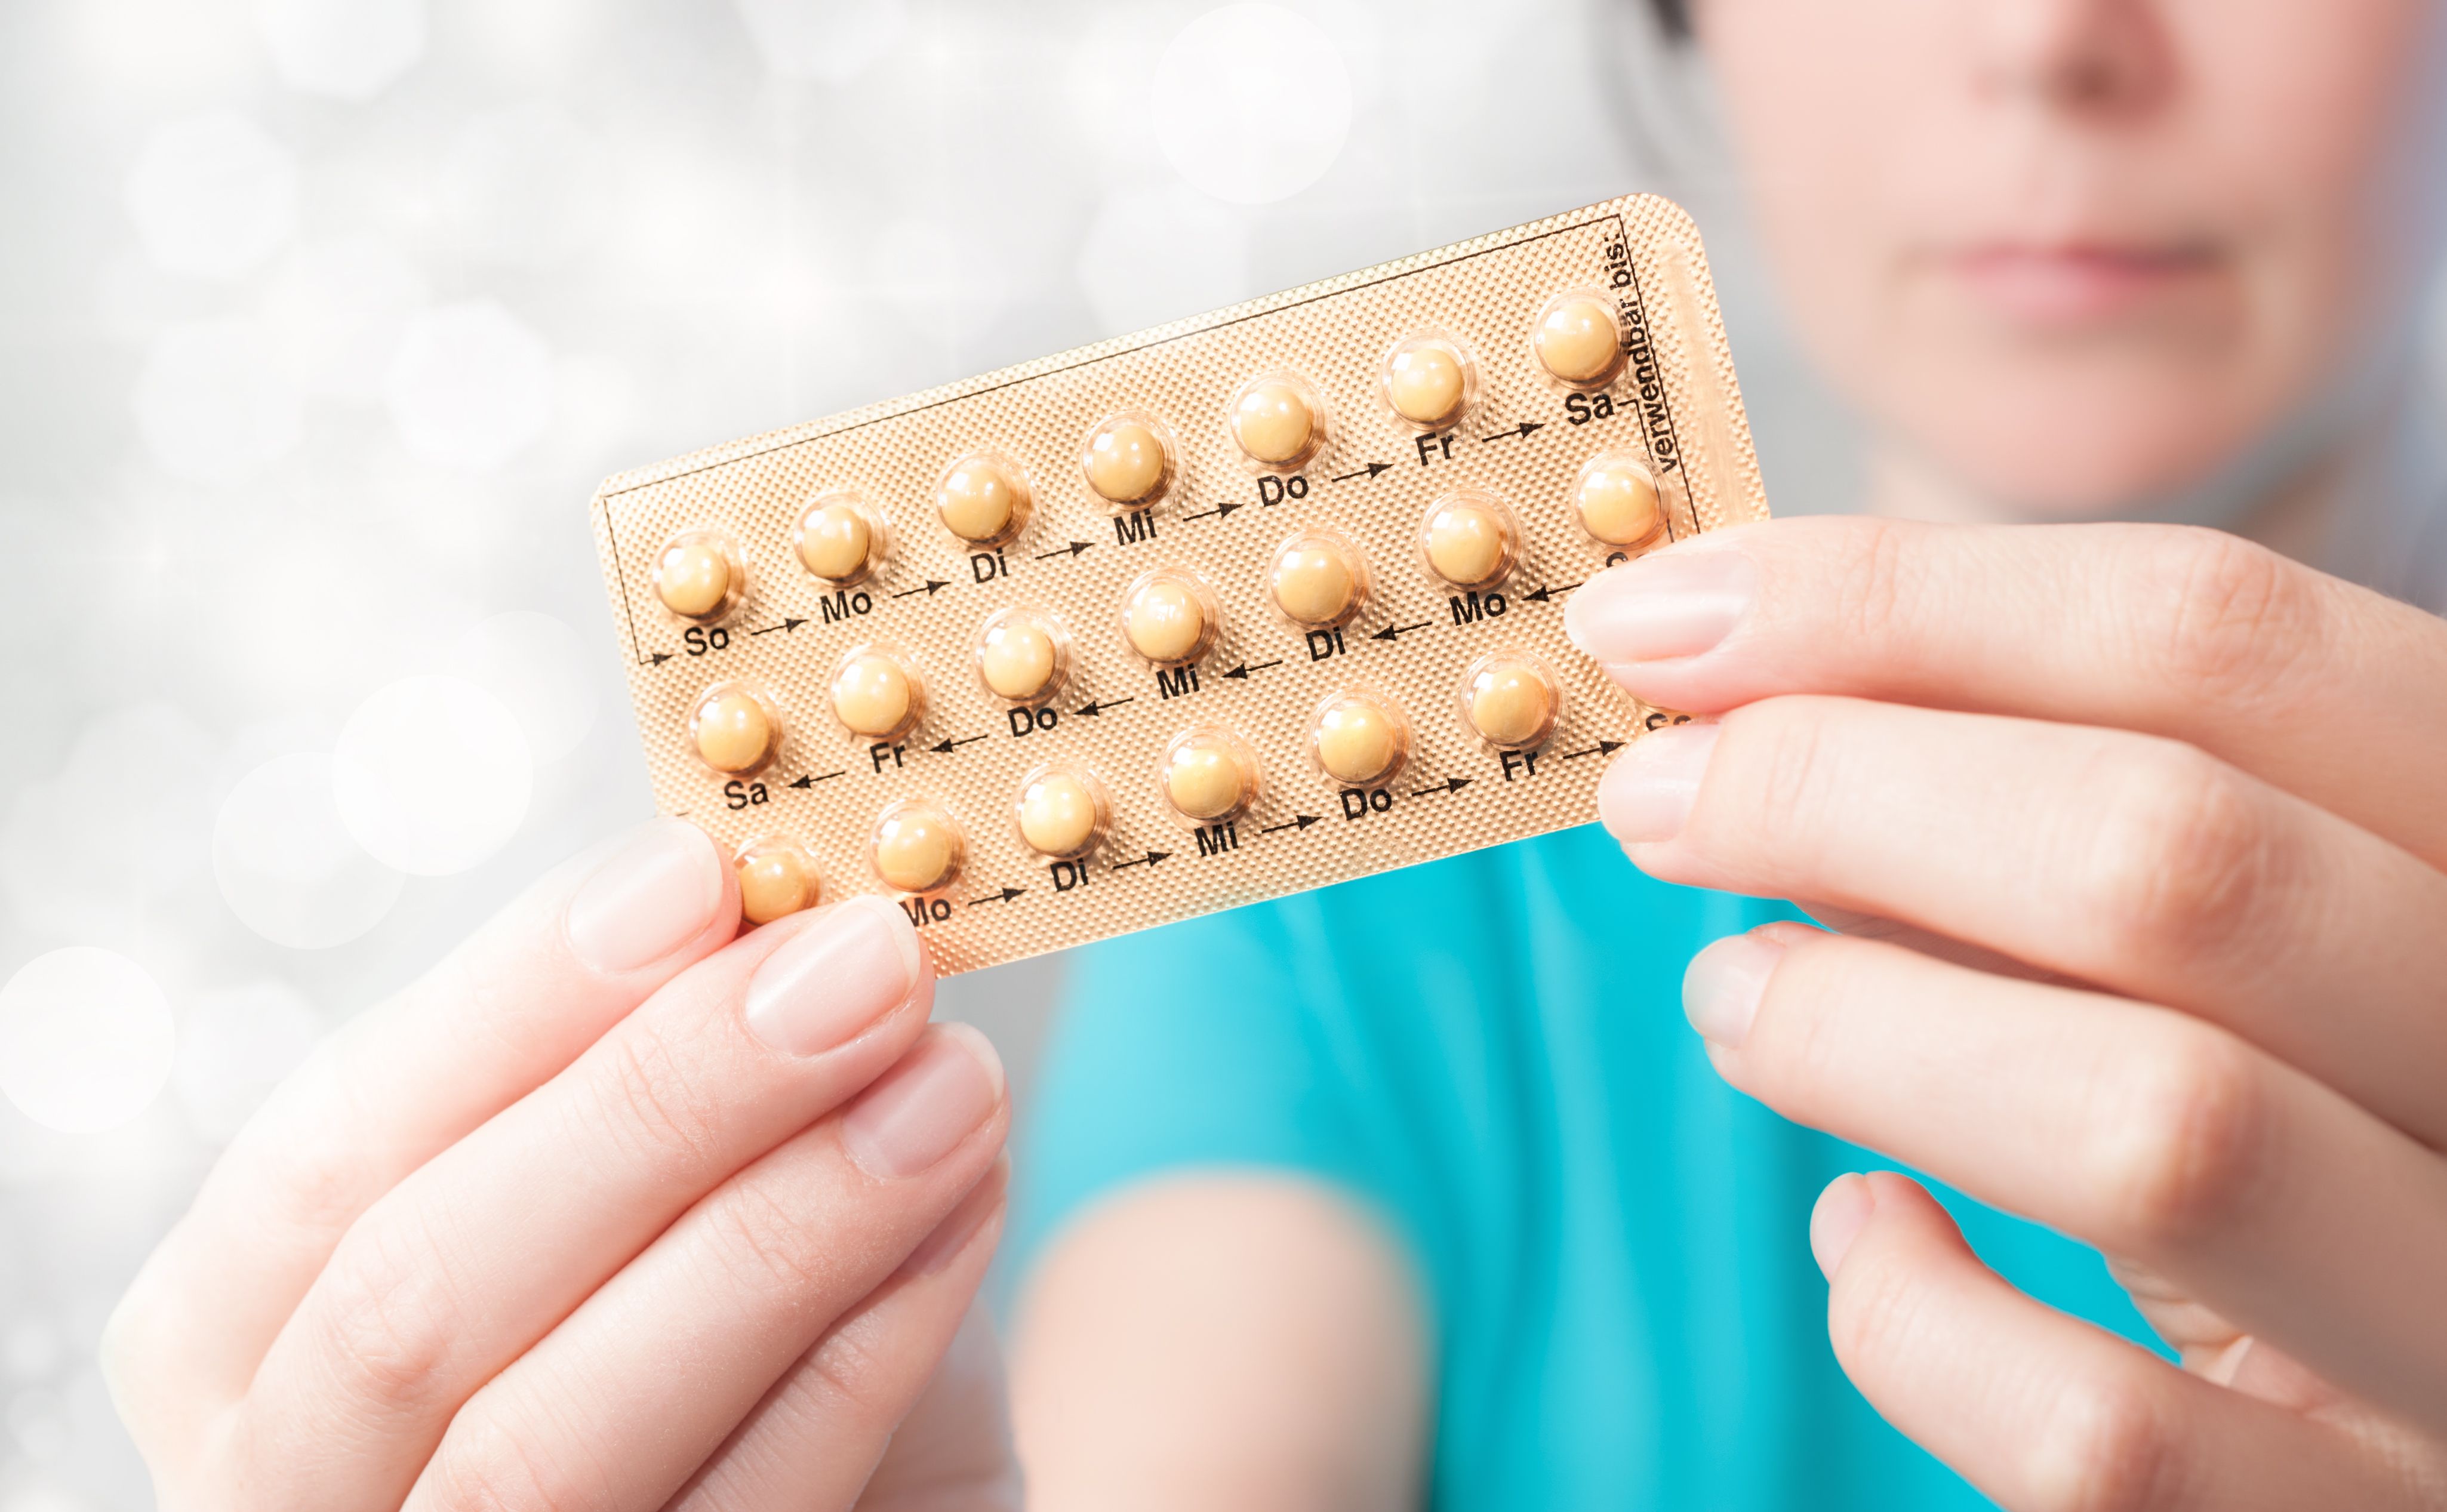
1264, 600
777, 876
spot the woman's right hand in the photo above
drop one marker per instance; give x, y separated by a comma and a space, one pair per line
608, 1211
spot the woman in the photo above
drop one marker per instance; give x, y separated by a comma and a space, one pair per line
1409, 1182
1407, 1189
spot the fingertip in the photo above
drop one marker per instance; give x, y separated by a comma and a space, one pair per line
1842, 1211
661, 889
1723, 986
1647, 793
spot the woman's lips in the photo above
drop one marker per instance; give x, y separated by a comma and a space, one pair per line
2076, 284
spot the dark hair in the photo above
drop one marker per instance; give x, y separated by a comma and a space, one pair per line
1673, 17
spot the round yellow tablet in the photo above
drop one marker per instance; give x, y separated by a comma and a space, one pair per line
918, 848
1315, 580
1424, 383
981, 501
1274, 421
1017, 659
875, 696
1512, 703
693, 577
1058, 814
1616, 500
776, 876
1359, 741
1469, 542
1204, 778
1126, 461
837, 541
734, 731
1578, 340
1165, 622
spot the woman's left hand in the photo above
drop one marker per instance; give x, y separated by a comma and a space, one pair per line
2136, 839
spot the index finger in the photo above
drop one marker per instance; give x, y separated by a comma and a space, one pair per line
501, 1014
2333, 693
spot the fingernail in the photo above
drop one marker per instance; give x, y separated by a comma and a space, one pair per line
1646, 794
923, 1107
1836, 1222
1722, 987
1659, 607
848, 966
650, 896
960, 1227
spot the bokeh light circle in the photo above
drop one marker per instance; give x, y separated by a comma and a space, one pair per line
286, 864
432, 775
213, 195
85, 1039
1251, 102
536, 666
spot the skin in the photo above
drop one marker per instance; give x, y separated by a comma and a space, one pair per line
454, 1261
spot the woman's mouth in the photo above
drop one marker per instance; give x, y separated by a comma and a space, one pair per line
2076, 284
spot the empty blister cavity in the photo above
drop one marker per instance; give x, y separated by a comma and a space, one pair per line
917, 846
877, 692
735, 729
1129, 460
777, 877
841, 539
1278, 419
699, 576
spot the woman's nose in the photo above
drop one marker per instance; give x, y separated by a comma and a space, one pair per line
2101, 56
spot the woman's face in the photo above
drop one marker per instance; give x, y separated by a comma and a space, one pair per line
2081, 253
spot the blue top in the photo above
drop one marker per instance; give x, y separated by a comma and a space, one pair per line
1489, 1052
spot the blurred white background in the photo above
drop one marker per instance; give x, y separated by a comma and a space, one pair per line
319, 321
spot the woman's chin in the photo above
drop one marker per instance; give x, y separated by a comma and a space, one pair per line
2084, 456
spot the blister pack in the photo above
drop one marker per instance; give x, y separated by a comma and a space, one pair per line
1250, 603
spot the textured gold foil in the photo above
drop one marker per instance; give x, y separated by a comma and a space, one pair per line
1674, 401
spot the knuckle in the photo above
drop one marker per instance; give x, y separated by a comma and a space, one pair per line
2183, 844
1876, 592
655, 1108
390, 1322
2179, 1139
2227, 616
1783, 773
2103, 1447
845, 1374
